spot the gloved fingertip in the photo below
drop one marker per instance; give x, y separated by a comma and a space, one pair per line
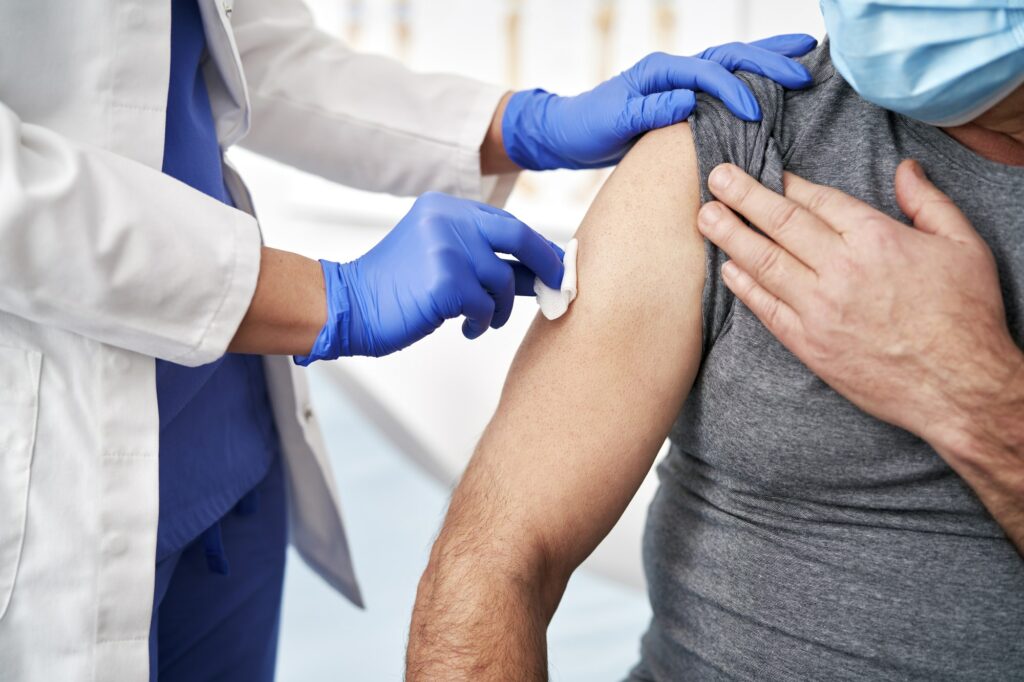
524, 279
553, 278
471, 331
747, 109
802, 77
804, 44
684, 102
752, 116
788, 44
499, 320
558, 250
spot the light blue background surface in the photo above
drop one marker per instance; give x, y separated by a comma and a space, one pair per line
393, 512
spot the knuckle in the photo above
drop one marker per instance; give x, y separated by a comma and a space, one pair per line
507, 279
771, 313
774, 315
746, 287
766, 260
741, 190
741, 282
727, 236
783, 217
518, 239
446, 263
820, 198
429, 198
766, 307
936, 203
725, 50
432, 227
874, 224
443, 280
824, 306
880, 236
427, 212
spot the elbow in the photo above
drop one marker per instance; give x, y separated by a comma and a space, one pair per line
510, 558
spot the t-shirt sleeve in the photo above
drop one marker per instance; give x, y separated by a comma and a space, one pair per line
721, 137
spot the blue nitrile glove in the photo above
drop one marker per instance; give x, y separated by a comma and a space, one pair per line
543, 131
439, 262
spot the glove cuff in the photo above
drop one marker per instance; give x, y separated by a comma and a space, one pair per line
333, 341
523, 131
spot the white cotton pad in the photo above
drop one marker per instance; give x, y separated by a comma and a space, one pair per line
554, 302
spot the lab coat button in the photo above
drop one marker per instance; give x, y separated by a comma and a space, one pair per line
134, 17
118, 545
307, 412
228, 7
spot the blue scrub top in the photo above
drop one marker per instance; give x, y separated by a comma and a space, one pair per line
217, 433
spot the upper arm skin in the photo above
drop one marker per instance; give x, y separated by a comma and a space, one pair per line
590, 397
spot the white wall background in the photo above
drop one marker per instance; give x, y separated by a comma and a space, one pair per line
435, 398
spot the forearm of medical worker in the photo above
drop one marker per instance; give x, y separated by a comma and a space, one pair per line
288, 309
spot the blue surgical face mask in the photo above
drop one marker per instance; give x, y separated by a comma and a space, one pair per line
944, 62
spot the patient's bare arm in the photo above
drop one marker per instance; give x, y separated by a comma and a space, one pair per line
586, 405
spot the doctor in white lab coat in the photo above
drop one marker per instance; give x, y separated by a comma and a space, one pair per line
107, 264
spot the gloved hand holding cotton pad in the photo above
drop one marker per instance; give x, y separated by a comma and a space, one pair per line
555, 302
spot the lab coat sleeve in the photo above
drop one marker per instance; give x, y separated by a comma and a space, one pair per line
362, 120
111, 249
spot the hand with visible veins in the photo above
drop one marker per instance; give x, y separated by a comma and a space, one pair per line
908, 324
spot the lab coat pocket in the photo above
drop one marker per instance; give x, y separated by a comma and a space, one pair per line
19, 407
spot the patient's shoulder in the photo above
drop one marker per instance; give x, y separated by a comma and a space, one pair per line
822, 115
640, 232
827, 123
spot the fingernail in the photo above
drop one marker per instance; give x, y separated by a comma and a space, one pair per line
709, 216
720, 177
729, 270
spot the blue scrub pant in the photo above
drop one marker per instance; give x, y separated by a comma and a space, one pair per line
209, 626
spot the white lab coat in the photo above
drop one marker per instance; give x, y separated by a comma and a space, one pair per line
105, 263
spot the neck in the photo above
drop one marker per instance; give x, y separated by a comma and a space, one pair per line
998, 134
994, 145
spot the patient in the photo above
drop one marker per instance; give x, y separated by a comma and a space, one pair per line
793, 536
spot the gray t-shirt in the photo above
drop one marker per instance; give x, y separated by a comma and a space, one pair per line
794, 536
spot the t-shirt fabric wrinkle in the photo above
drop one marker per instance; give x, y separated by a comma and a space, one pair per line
793, 536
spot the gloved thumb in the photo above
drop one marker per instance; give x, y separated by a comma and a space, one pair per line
925, 204
658, 110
